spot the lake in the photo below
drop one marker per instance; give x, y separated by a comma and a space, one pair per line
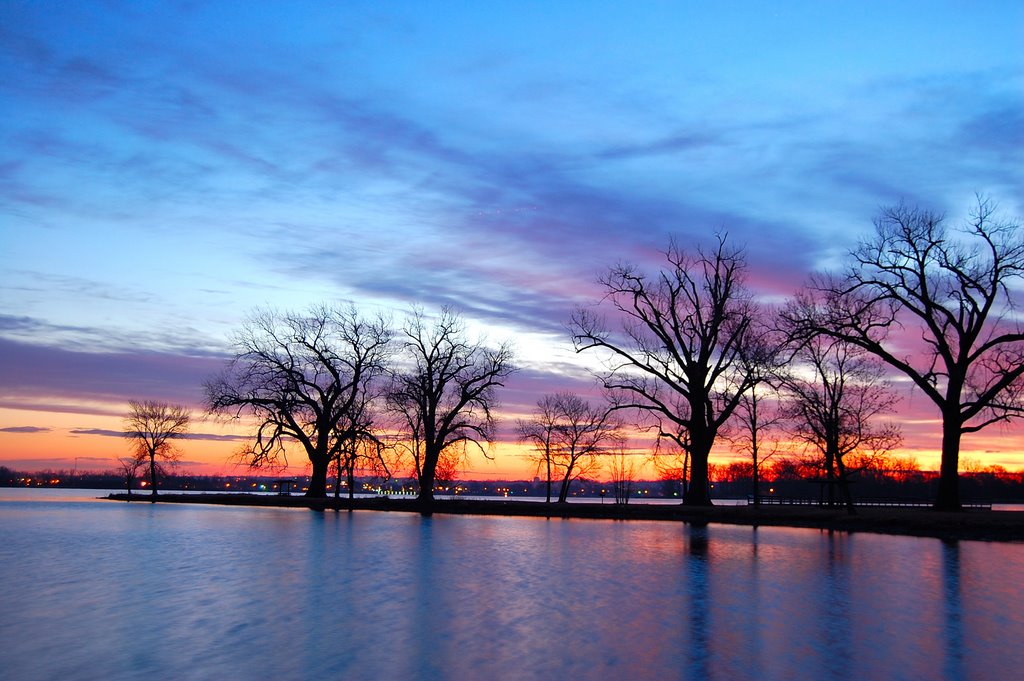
108, 590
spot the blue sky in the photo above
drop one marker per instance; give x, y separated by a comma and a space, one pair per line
167, 166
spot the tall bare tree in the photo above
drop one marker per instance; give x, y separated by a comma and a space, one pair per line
937, 306
152, 427
569, 434
447, 394
836, 396
755, 430
304, 379
677, 360
757, 419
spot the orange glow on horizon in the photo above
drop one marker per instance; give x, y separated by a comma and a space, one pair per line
55, 445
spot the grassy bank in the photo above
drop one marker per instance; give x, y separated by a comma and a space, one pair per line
985, 525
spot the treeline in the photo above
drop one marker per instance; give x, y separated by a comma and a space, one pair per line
784, 479
687, 353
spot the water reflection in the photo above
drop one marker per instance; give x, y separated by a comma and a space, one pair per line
96, 590
952, 600
698, 610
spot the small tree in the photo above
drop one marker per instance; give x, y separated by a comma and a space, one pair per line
569, 433
758, 417
758, 420
672, 464
129, 468
623, 476
152, 427
358, 445
836, 396
540, 431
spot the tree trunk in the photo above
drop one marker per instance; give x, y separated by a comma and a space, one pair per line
549, 478
429, 470
757, 483
563, 493
318, 477
152, 474
698, 492
830, 474
351, 479
337, 481
948, 497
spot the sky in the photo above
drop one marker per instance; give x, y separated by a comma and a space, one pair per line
167, 167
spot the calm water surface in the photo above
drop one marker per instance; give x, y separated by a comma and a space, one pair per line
106, 590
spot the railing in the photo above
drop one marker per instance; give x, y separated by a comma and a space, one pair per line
772, 500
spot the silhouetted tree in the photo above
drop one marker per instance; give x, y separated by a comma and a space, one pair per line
677, 360
836, 395
569, 433
359, 444
304, 378
623, 469
540, 431
758, 417
447, 395
129, 467
757, 423
954, 289
672, 464
151, 427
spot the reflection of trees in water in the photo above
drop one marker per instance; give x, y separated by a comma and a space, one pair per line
953, 603
700, 602
723, 614
431, 615
836, 652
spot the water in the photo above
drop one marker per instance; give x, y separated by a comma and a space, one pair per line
107, 590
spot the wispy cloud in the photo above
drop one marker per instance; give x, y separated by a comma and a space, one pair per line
25, 429
102, 432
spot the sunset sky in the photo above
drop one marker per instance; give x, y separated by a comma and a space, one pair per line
166, 167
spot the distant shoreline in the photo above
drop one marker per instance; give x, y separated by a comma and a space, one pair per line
982, 525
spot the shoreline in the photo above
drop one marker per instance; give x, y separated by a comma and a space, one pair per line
980, 525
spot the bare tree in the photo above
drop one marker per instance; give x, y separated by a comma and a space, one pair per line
568, 434
129, 467
304, 378
368, 457
152, 427
836, 395
540, 431
360, 443
447, 395
677, 361
954, 288
623, 469
757, 423
672, 464
758, 417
